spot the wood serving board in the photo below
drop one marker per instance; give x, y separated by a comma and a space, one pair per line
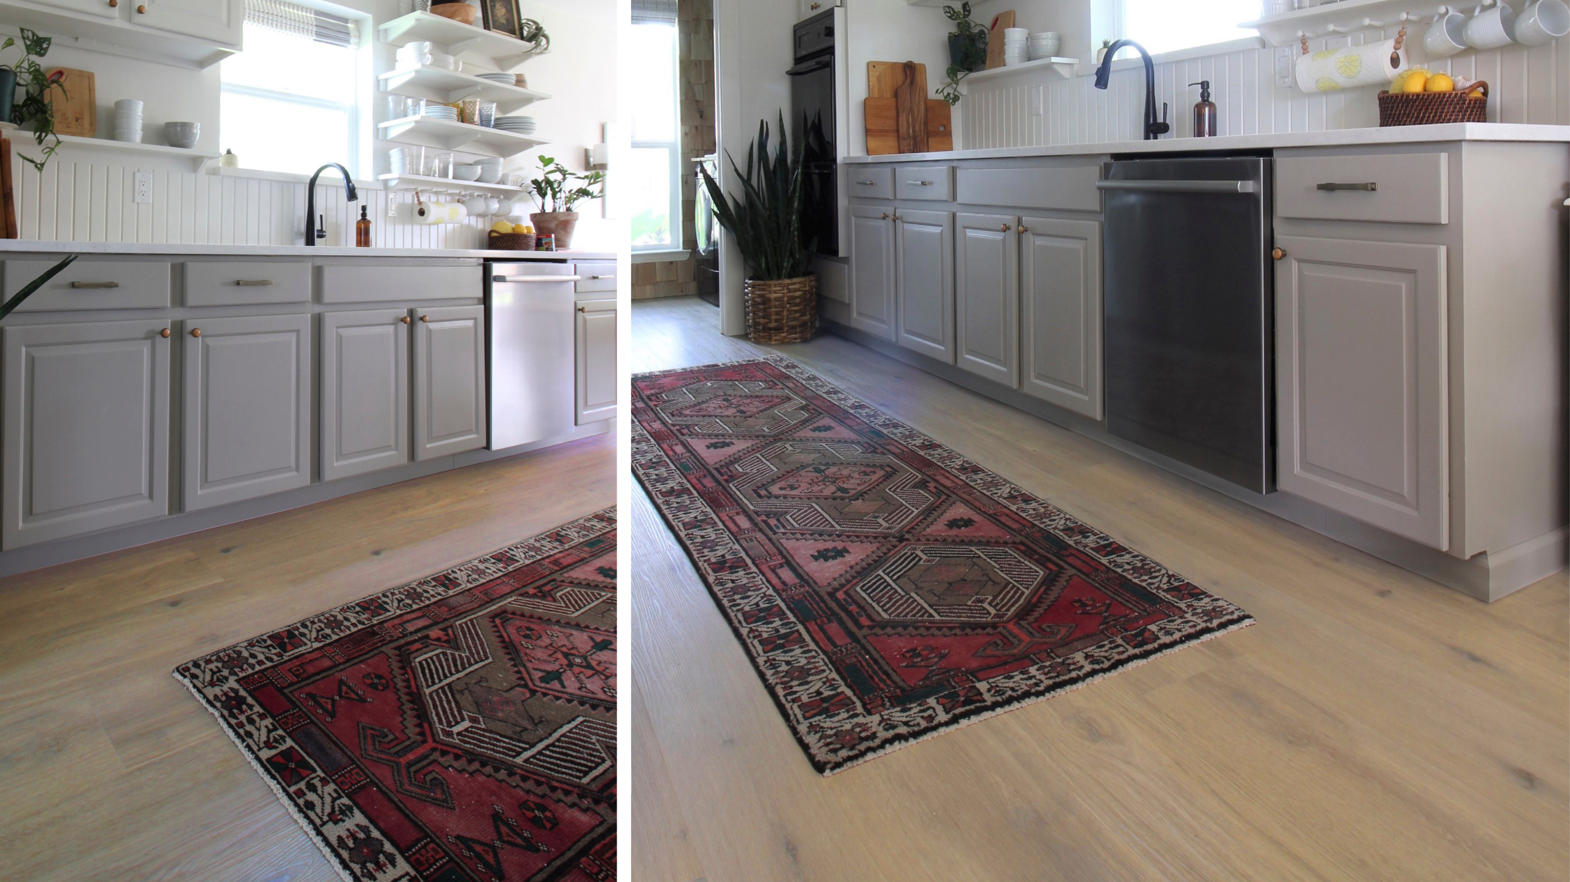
76, 108
995, 38
883, 126
885, 77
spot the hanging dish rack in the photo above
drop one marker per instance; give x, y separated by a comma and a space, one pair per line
1347, 17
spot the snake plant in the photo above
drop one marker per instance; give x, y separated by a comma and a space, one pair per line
766, 220
28, 289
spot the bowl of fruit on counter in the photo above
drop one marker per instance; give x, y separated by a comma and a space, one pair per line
1420, 97
508, 236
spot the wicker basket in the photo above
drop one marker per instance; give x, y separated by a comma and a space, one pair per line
785, 311
509, 241
1432, 108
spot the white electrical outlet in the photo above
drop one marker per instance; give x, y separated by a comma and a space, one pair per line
1285, 61
392, 203
144, 188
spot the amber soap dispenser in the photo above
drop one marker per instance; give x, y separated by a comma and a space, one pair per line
1204, 112
362, 230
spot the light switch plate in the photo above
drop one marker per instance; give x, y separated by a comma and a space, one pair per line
144, 188
392, 203
1285, 61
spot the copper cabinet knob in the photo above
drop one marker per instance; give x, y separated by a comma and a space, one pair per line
113, 3
1004, 228
1023, 228
885, 215
583, 309
1278, 254
425, 318
141, 10
405, 320
196, 332
164, 333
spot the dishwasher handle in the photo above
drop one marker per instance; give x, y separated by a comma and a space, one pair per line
1179, 186
536, 278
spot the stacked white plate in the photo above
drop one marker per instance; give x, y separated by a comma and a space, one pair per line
128, 120
441, 111
1043, 45
518, 125
505, 79
1015, 50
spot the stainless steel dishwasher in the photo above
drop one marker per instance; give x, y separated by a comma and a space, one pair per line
529, 323
1188, 312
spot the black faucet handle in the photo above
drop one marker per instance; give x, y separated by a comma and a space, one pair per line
1162, 127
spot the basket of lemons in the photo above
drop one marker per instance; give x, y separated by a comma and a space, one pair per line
1420, 97
505, 236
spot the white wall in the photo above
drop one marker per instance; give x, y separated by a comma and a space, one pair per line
892, 30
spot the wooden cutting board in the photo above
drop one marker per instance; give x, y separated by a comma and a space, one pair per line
995, 38
883, 126
885, 77
910, 110
76, 108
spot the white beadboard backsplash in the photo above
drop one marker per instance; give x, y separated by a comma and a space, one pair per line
1527, 85
80, 200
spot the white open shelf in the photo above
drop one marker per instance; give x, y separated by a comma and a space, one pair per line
1064, 67
450, 86
466, 42
196, 157
1346, 17
428, 184
423, 131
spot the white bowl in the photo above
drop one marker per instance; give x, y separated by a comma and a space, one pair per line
466, 172
180, 134
128, 105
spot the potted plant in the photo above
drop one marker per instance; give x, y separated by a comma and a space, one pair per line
556, 195
967, 50
781, 295
34, 107
31, 287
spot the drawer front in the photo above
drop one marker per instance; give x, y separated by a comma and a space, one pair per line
369, 284
1406, 188
930, 183
1070, 188
595, 277
240, 283
870, 182
91, 284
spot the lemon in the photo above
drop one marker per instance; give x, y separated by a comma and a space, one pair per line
501, 227
1440, 83
520, 228
1416, 81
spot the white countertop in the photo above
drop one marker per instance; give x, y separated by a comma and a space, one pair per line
1333, 138
37, 246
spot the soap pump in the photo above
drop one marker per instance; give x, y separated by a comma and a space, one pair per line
1204, 112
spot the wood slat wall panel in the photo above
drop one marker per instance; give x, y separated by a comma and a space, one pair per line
1529, 85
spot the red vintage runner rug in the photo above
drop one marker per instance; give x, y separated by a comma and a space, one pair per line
887, 589
462, 727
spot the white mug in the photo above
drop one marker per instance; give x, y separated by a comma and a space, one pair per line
1491, 28
1446, 36
1544, 21
475, 205
1277, 7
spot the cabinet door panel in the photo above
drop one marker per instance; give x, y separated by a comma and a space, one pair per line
449, 380
924, 282
1361, 382
247, 396
596, 354
1060, 284
86, 428
987, 297
365, 392
872, 271
219, 21
95, 8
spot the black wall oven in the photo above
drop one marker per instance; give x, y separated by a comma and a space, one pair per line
812, 94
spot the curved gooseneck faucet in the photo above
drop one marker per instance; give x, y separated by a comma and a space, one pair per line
1153, 127
310, 198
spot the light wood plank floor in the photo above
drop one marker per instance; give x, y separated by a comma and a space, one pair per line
110, 770
1372, 726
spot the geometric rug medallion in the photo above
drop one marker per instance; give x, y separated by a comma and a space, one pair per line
885, 588
462, 727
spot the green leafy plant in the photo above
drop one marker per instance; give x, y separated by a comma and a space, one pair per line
554, 189
967, 50
532, 31
766, 220
27, 290
34, 106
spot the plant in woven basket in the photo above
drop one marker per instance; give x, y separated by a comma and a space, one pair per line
767, 219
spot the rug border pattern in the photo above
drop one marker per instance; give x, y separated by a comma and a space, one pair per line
707, 543
260, 738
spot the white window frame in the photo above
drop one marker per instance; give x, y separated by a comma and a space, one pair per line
673, 152
1109, 21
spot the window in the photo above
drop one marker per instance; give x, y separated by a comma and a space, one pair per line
292, 100
1165, 26
652, 185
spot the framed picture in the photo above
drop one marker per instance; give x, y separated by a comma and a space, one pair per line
502, 16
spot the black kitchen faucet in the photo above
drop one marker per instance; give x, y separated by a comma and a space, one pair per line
1153, 127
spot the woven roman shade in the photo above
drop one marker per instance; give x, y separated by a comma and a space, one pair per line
302, 21
654, 12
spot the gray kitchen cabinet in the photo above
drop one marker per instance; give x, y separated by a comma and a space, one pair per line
924, 282
595, 332
449, 380
986, 296
95, 8
1362, 381
218, 21
247, 417
1060, 289
872, 271
364, 391
86, 428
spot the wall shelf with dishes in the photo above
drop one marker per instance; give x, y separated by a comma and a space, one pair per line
197, 158
450, 86
1063, 67
1328, 19
425, 131
427, 184
462, 41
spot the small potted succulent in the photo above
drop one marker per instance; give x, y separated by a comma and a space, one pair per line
557, 191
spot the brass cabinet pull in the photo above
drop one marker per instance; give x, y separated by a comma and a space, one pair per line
919, 183
113, 3
196, 332
867, 183
95, 284
254, 283
1368, 186
425, 318
815, 6
897, 218
602, 277
405, 320
583, 309
1278, 254
1023, 228
1004, 228
141, 10
164, 333
885, 215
